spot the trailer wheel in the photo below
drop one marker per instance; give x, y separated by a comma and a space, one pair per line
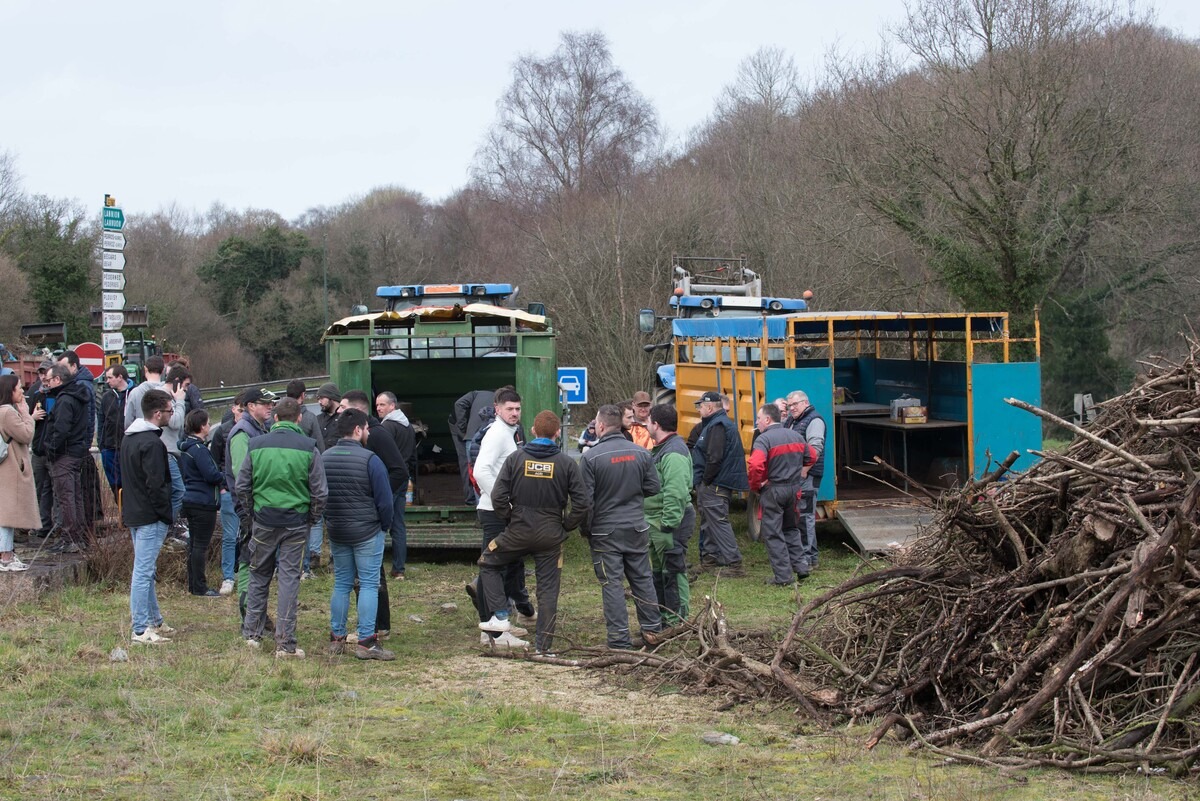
753, 522
664, 397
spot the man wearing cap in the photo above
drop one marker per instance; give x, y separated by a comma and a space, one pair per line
718, 471
312, 429
282, 484
258, 403
641, 416
328, 398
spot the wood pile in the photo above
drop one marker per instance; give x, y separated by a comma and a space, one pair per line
1049, 618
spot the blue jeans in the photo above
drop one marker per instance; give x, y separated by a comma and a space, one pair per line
6, 539
143, 600
399, 533
176, 485
364, 562
229, 536
316, 537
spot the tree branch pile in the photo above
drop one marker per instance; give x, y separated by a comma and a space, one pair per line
1045, 618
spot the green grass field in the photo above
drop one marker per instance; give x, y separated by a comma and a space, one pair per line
205, 717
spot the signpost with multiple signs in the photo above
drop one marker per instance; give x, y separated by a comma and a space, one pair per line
112, 299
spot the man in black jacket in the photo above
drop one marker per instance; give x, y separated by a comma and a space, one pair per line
112, 423
470, 414
67, 444
531, 496
147, 511
396, 423
380, 443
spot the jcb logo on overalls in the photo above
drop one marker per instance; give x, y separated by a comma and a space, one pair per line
539, 469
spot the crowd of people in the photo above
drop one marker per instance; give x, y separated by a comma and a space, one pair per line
280, 479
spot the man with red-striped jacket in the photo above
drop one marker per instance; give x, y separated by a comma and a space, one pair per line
776, 473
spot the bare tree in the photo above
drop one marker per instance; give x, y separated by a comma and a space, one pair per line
568, 123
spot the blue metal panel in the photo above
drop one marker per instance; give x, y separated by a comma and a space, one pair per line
817, 382
740, 327
998, 427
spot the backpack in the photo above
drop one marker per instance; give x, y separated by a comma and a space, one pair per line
473, 454
3, 448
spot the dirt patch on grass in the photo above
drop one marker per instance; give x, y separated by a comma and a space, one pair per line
592, 694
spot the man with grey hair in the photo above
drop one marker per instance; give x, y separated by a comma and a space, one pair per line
804, 420
396, 423
777, 460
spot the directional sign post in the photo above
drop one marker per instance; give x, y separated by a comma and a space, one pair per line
572, 382
112, 260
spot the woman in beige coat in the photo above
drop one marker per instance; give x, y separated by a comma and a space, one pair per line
18, 498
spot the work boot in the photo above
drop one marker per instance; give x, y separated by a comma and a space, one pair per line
732, 570
370, 649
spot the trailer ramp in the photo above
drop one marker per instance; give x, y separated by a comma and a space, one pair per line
879, 528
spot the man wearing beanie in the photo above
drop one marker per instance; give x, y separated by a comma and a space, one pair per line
328, 398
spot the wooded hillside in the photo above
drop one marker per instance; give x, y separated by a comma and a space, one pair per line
994, 155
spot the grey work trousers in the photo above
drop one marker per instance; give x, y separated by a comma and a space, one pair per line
781, 531
270, 548
625, 553
509, 548
808, 515
719, 541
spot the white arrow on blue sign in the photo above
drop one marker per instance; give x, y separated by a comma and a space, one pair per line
572, 382
113, 218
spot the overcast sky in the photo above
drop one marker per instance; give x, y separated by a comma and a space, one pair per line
290, 105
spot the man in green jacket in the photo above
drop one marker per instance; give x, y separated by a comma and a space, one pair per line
281, 482
670, 514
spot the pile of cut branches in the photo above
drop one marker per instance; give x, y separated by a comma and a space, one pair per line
1045, 618
1050, 618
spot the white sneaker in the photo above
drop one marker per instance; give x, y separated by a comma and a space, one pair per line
149, 637
227, 587
352, 638
507, 640
163, 628
282, 654
496, 624
253, 643
485, 638
14, 565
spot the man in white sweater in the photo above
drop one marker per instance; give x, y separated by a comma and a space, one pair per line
502, 438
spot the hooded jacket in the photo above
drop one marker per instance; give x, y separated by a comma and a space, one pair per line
87, 382
397, 424
145, 476
69, 432
202, 479
532, 491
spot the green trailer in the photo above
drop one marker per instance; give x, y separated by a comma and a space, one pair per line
430, 356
